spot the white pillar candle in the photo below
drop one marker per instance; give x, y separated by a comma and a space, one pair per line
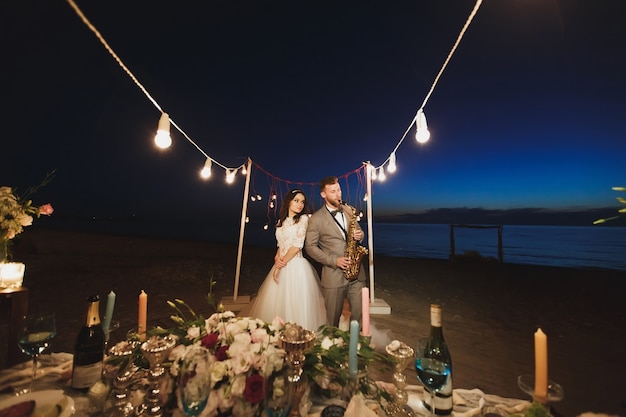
11, 274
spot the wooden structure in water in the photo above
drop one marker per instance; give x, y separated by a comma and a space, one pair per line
476, 226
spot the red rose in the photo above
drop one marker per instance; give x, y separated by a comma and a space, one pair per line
46, 209
253, 392
209, 341
220, 353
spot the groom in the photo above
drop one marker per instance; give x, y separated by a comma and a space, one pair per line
325, 242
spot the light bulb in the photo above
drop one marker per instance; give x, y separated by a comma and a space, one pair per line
391, 168
230, 176
381, 174
373, 174
206, 169
162, 138
265, 227
422, 134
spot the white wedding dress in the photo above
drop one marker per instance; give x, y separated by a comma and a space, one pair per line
297, 296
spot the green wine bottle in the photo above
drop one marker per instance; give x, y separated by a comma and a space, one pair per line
443, 397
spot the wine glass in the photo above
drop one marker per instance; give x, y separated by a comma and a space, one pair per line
194, 382
432, 370
35, 335
277, 394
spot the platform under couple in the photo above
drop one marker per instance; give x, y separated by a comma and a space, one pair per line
293, 289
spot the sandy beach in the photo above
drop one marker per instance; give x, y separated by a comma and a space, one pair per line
490, 310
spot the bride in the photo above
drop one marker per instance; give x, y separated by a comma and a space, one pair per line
291, 290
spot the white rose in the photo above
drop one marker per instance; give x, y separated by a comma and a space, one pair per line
218, 371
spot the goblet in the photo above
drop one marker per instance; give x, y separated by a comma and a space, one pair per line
194, 382
123, 407
403, 354
295, 340
35, 335
431, 370
156, 349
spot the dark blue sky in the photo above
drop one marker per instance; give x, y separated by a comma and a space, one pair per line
529, 112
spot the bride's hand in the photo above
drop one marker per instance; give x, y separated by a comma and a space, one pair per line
275, 275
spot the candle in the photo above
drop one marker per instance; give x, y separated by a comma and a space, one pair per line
354, 340
541, 366
143, 313
365, 302
108, 314
11, 274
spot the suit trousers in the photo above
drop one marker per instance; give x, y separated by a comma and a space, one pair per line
334, 298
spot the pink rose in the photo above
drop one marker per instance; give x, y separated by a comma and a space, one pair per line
46, 209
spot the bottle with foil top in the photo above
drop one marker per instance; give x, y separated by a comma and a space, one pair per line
89, 349
443, 398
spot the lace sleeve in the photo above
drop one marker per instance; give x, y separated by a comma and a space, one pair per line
292, 234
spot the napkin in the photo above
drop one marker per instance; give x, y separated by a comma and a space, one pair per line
358, 408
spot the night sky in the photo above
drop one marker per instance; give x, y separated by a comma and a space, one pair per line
530, 111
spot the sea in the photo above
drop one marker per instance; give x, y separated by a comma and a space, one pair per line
602, 247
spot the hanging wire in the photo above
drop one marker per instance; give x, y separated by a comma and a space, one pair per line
154, 102
135, 80
443, 67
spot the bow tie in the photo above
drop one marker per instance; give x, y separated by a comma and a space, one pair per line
334, 212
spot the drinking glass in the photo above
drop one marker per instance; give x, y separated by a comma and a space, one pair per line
35, 335
432, 371
194, 382
277, 394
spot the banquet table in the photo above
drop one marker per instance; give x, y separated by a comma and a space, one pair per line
55, 369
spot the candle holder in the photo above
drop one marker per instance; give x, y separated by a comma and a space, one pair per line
156, 349
295, 340
526, 384
11, 274
402, 354
122, 406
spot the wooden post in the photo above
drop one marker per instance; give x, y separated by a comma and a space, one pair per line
452, 248
500, 253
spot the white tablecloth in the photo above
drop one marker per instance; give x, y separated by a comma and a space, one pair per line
54, 371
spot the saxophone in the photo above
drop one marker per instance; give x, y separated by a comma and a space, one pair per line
354, 250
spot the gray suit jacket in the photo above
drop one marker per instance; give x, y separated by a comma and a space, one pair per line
324, 243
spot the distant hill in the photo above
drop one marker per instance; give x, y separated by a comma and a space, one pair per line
525, 216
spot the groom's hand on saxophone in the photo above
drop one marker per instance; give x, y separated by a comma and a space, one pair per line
358, 235
343, 262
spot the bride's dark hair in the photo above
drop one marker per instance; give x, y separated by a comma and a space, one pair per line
284, 208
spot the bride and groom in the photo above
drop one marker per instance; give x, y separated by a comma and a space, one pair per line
293, 290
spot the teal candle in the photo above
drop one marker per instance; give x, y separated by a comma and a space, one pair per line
352, 354
108, 314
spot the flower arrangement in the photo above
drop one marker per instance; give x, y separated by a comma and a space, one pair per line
17, 212
244, 352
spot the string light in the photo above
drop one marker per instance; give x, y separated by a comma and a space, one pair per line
391, 168
422, 134
253, 198
230, 175
206, 169
259, 197
381, 174
162, 138
266, 227
244, 171
372, 172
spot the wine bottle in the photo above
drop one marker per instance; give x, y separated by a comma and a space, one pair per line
89, 349
443, 398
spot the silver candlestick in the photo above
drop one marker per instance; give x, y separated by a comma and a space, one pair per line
156, 349
122, 406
